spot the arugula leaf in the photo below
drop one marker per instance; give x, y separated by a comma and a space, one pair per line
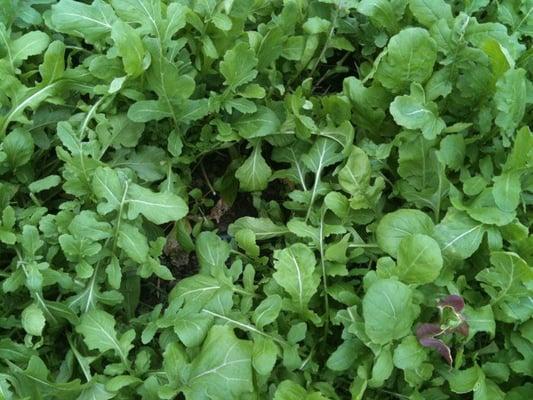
223, 367
419, 259
413, 112
98, 330
410, 57
295, 272
90, 22
347, 183
238, 66
400, 224
130, 47
254, 173
156, 207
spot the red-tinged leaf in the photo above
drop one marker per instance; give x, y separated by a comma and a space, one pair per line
428, 330
438, 345
462, 329
454, 301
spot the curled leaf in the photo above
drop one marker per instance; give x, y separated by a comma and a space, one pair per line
455, 301
438, 345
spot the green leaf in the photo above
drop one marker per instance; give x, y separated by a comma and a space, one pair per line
388, 311
53, 65
149, 110
396, 226
381, 13
507, 190
382, 368
107, 185
510, 100
44, 184
500, 58
267, 311
18, 147
301, 229
409, 354
238, 66
410, 57
295, 272
458, 235
288, 390
114, 273
452, 151
87, 225
464, 381
323, 153
33, 320
263, 122
30, 44
342, 358
315, 25
192, 327
419, 259
98, 330
165, 79
198, 290
507, 285
223, 368
212, 251
414, 112
118, 382
254, 173
247, 241
130, 48
133, 242
90, 22
263, 228
480, 320
95, 391
158, 208
264, 355
147, 13
428, 12
354, 177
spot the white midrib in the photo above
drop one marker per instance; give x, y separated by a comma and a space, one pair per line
204, 289
88, 19
111, 338
461, 236
23, 105
148, 203
299, 277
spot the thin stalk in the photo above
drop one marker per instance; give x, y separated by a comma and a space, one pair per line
322, 52
324, 276
365, 245
119, 218
207, 181
247, 327
326, 43
313, 193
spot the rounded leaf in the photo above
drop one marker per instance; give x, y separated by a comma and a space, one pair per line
33, 320
387, 311
399, 224
419, 259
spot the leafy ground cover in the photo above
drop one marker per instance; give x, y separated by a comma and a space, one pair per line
266, 199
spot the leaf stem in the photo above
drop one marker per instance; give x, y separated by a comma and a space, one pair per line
207, 181
119, 218
365, 245
313, 193
248, 327
324, 275
326, 43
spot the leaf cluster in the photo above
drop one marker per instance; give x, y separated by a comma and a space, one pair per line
266, 199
